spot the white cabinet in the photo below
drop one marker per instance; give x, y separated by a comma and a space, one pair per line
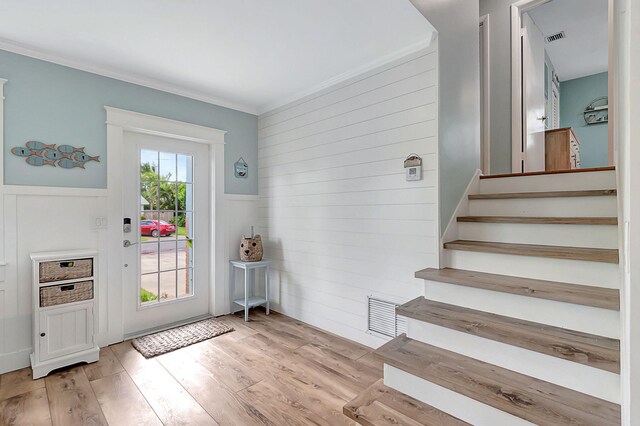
63, 310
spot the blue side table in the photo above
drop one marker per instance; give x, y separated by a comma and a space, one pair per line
250, 300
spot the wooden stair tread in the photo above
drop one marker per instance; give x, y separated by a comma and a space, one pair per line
583, 348
381, 405
545, 194
551, 172
556, 252
526, 397
598, 297
540, 220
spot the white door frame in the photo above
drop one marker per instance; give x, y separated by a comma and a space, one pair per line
517, 132
485, 61
119, 121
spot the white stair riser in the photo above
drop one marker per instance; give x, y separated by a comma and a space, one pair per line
602, 322
569, 271
595, 236
455, 404
555, 182
546, 207
592, 381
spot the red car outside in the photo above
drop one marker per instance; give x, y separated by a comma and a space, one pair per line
150, 227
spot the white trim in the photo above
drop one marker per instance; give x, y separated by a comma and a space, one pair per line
55, 191
2, 82
119, 121
485, 63
422, 44
152, 125
242, 197
517, 132
36, 53
15, 360
462, 209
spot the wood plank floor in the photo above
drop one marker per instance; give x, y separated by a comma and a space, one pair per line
273, 370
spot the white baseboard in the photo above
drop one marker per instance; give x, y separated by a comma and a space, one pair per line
15, 360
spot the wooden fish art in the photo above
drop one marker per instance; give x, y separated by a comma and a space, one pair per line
68, 149
21, 151
35, 160
67, 163
64, 156
53, 154
37, 146
83, 158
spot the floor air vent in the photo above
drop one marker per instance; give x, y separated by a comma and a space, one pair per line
383, 319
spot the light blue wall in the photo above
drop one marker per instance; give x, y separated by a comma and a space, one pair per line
60, 105
458, 96
575, 95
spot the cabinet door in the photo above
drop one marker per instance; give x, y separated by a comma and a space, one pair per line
65, 330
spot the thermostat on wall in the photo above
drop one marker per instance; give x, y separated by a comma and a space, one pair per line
413, 167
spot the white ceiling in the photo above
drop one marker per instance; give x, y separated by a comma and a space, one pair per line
248, 54
585, 50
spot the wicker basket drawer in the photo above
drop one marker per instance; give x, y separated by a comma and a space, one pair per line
65, 270
65, 293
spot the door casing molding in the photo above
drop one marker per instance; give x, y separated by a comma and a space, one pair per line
118, 122
517, 131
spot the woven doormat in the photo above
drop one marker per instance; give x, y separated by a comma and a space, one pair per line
179, 337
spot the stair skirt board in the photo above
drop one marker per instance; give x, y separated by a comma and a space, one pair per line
587, 319
558, 182
455, 404
571, 271
554, 235
592, 381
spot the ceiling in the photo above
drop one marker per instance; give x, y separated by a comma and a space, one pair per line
584, 51
251, 55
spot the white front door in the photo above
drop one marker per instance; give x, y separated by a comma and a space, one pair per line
533, 95
166, 198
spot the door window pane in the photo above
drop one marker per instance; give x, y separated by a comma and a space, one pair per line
168, 166
166, 226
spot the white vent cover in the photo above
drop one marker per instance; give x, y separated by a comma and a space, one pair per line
383, 319
555, 37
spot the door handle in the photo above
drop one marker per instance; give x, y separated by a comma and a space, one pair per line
127, 243
543, 118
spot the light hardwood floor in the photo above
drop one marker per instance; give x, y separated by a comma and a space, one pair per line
273, 370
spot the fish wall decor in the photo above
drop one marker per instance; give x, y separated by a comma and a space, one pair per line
39, 154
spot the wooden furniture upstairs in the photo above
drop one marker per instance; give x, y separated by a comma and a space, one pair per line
562, 149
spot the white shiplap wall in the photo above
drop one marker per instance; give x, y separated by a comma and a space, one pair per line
338, 219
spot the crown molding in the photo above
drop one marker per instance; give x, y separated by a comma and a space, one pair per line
41, 54
383, 60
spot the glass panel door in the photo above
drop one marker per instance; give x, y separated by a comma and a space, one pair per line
165, 254
166, 226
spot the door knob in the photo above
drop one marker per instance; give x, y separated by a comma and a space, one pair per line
127, 243
543, 118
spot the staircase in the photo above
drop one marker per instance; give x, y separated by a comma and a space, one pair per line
522, 324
